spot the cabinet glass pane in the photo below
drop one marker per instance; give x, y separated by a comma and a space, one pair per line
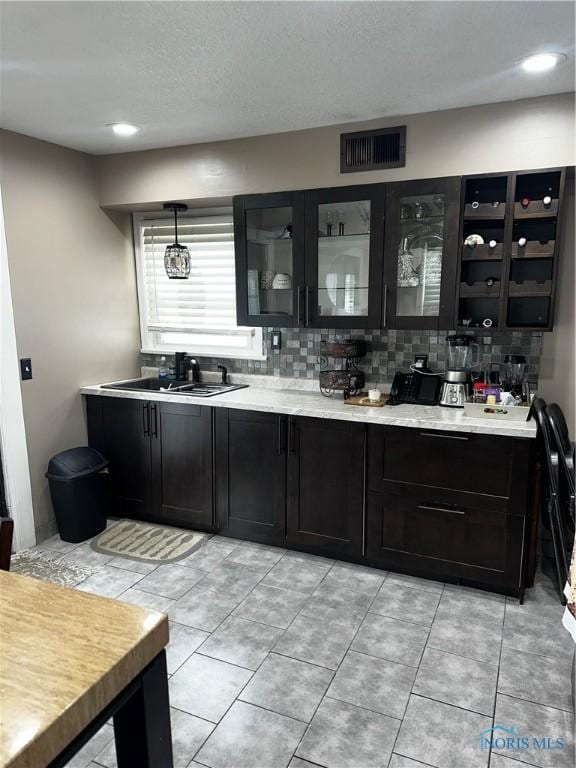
270, 261
420, 254
343, 258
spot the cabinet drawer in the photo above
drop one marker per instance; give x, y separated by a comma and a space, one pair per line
446, 541
461, 462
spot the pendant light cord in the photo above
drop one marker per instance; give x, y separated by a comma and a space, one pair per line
175, 225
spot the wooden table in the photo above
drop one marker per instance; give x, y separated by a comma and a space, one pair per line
68, 662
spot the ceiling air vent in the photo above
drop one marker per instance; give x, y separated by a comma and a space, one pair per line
373, 150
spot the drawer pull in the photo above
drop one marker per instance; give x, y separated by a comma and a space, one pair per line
439, 508
444, 436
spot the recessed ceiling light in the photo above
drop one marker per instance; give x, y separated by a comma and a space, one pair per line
542, 62
124, 129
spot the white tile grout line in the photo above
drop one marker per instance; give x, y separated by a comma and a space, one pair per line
416, 675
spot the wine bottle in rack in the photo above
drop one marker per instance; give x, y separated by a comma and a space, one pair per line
547, 201
522, 242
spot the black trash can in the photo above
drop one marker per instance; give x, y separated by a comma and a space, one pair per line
78, 487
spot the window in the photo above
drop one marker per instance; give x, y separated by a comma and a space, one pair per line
197, 315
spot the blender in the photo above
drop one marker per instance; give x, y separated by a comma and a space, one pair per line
515, 375
457, 386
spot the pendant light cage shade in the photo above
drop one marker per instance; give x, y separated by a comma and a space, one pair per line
176, 256
177, 261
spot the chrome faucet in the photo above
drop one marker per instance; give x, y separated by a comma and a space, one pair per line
187, 368
193, 369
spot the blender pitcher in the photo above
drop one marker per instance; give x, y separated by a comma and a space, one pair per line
515, 373
461, 353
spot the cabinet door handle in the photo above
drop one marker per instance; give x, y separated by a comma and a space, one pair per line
279, 437
146, 419
298, 315
155, 412
385, 304
290, 440
308, 291
444, 436
441, 508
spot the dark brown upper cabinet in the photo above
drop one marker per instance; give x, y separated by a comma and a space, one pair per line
310, 259
457, 252
269, 247
532, 269
510, 224
420, 253
344, 243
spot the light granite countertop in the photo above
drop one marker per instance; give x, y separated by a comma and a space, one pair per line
281, 396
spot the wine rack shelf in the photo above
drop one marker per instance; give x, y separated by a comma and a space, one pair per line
482, 252
513, 283
480, 289
534, 249
536, 209
495, 210
530, 288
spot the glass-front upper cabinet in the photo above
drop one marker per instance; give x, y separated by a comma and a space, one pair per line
421, 253
269, 247
344, 257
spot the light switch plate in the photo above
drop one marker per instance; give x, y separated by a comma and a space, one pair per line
276, 340
26, 368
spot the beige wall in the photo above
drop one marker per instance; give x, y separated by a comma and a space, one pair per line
532, 133
558, 361
73, 287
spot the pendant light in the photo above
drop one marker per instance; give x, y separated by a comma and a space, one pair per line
176, 257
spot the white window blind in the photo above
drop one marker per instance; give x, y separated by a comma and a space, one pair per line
196, 315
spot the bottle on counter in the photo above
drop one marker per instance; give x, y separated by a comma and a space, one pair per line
162, 369
479, 392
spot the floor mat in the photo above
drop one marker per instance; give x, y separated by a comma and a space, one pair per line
28, 563
148, 543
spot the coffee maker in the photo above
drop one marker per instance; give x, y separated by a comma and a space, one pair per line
457, 386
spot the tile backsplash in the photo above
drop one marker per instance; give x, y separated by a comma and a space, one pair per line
388, 351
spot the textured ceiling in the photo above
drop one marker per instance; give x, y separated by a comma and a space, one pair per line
202, 71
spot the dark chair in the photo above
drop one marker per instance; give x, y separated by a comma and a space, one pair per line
565, 455
551, 508
6, 532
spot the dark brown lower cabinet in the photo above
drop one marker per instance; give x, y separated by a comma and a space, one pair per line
449, 505
181, 443
160, 458
446, 505
120, 429
326, 485
446, 541
251, 475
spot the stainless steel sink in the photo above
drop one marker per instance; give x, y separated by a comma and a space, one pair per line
207, 390
173, 387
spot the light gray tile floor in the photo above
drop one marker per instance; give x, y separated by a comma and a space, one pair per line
284, 660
